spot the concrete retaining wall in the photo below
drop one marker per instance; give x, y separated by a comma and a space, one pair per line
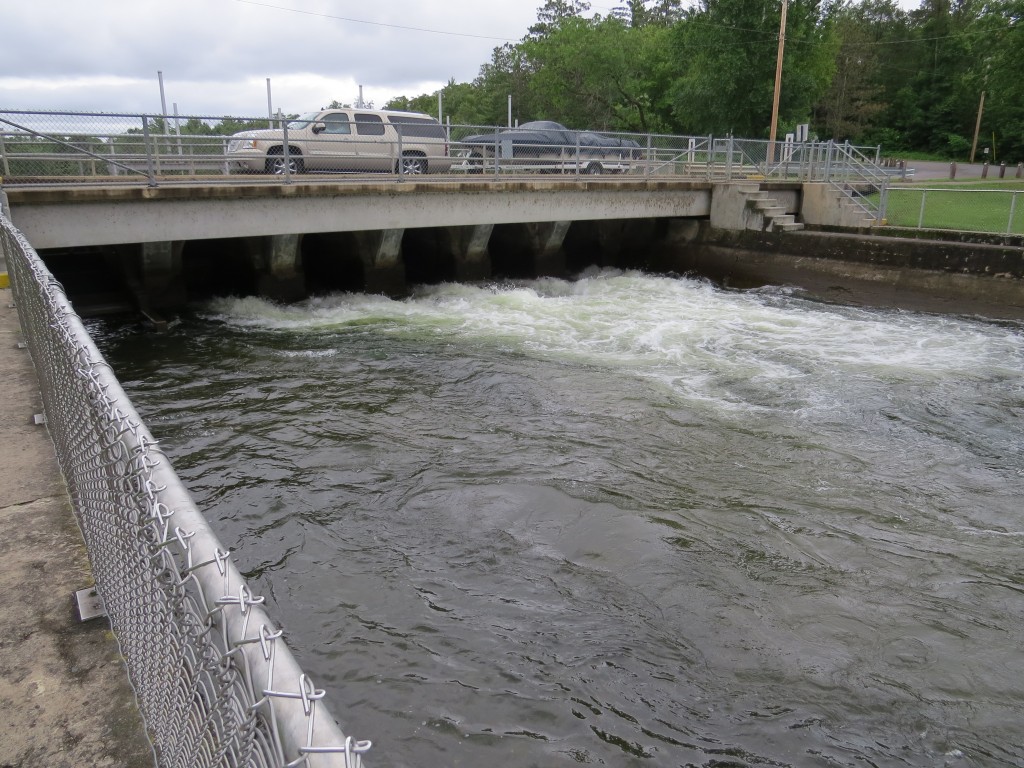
929, 275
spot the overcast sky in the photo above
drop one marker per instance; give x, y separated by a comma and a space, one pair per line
216, 55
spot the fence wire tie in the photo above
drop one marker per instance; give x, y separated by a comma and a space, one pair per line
196, 566
307, 694
221, 557
265, 637
182, 537
351, 748
244, 601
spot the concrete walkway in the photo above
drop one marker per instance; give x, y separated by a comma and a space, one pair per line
65, 701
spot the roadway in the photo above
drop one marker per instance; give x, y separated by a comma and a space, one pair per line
928, 170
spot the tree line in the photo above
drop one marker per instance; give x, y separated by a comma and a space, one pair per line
869, 72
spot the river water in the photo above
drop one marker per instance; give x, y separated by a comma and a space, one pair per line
625, 520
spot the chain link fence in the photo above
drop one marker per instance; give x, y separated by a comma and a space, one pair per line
103, 148
215, 681
968, 210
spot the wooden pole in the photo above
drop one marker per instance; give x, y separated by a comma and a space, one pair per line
778, 84
977, 126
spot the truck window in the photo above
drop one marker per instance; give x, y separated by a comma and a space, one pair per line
369, 125
337, 122
417, 127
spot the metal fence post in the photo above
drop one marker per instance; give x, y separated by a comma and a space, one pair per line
5, 169
150, 173
728, 158
828, 160
497, 150
650, 157
920, 215
883, 202
286, 152
1013, 210
401, 165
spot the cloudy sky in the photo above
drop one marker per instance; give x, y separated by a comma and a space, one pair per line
216, 55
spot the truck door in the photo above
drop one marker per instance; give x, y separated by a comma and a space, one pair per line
373, 146
333, 148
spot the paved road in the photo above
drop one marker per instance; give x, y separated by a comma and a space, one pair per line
65, 701
925, 170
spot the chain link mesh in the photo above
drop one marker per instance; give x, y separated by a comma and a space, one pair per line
216, 684
970, 210
103, 148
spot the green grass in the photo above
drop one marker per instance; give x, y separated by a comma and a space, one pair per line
980, 206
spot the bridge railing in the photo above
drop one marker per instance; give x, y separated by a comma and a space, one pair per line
215, 682
88, 148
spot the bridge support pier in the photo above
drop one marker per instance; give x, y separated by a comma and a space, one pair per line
278, 263
545, 242
469, 248
381, 254
158, 280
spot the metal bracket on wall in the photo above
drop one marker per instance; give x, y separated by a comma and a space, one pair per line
39, 419
89, 604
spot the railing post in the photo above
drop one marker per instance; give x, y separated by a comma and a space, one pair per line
401, 165
728, 158
5, 169
920, 215
286, 153
577, 154
650, 158
828, 160
150, 173
883, 202
497, 149
1013, 210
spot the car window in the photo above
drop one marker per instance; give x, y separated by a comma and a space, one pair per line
302, 121
337, 122
417, 127
369, 125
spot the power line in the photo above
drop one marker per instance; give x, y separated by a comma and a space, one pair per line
375, 23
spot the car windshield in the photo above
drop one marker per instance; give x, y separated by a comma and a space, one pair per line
302, 121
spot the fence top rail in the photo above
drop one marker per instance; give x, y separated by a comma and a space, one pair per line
954, 189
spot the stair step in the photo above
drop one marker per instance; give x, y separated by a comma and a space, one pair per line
792, 226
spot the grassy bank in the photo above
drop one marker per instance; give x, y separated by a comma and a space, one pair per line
975, 206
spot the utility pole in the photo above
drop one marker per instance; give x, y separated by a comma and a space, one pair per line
977, 126
778, 84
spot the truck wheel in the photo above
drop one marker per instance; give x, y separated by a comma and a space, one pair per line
412, 165
276, 162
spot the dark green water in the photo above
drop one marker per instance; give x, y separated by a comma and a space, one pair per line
624, 521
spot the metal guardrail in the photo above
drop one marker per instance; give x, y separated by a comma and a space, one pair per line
216, 683
105, 148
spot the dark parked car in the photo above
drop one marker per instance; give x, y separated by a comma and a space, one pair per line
545, 145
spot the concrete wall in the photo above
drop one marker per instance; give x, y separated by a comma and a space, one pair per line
928, 275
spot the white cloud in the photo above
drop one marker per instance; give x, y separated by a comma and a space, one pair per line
215, 55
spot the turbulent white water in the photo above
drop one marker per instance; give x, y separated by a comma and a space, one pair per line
623, 520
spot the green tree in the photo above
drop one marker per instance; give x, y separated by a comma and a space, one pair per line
1000, 76
600, 73
730, 49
